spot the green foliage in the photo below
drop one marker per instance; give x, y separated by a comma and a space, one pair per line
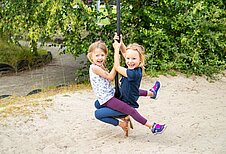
88, 25
11, 54
189, 36
186, 36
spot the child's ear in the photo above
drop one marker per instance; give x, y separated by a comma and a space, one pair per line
140, 64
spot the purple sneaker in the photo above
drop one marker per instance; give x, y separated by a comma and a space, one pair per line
155, 90
158, 128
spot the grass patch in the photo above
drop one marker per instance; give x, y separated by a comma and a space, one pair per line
35, 104
11, 53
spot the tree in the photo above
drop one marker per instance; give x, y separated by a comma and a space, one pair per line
23, 20
188, 36
36, 20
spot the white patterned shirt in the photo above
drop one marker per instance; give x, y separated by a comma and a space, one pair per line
102, 87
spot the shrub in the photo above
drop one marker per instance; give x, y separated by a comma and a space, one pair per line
188, 36
12, 55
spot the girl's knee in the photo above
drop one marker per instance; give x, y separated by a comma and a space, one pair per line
97, 114
97, 104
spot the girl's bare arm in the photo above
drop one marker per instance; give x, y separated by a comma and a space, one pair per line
103, 73
122, 47
118, 68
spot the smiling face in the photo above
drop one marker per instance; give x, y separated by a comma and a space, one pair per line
98, 57
132, 59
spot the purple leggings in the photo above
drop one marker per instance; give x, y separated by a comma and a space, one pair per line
143, 92
123, 107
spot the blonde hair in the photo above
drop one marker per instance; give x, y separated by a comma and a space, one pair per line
140, 49
96, 45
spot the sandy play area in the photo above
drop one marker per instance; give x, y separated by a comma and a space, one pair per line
193, 109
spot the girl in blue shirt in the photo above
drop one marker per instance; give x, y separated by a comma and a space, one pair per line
132, 75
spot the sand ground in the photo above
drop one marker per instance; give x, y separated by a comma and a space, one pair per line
193, 109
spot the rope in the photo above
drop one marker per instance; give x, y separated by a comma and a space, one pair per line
117, 93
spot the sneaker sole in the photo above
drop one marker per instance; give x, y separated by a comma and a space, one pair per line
157, 95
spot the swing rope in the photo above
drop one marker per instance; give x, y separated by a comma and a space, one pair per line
117, 93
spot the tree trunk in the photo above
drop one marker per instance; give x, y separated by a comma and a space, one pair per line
34, 47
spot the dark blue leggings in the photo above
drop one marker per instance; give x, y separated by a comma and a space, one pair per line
106, 114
